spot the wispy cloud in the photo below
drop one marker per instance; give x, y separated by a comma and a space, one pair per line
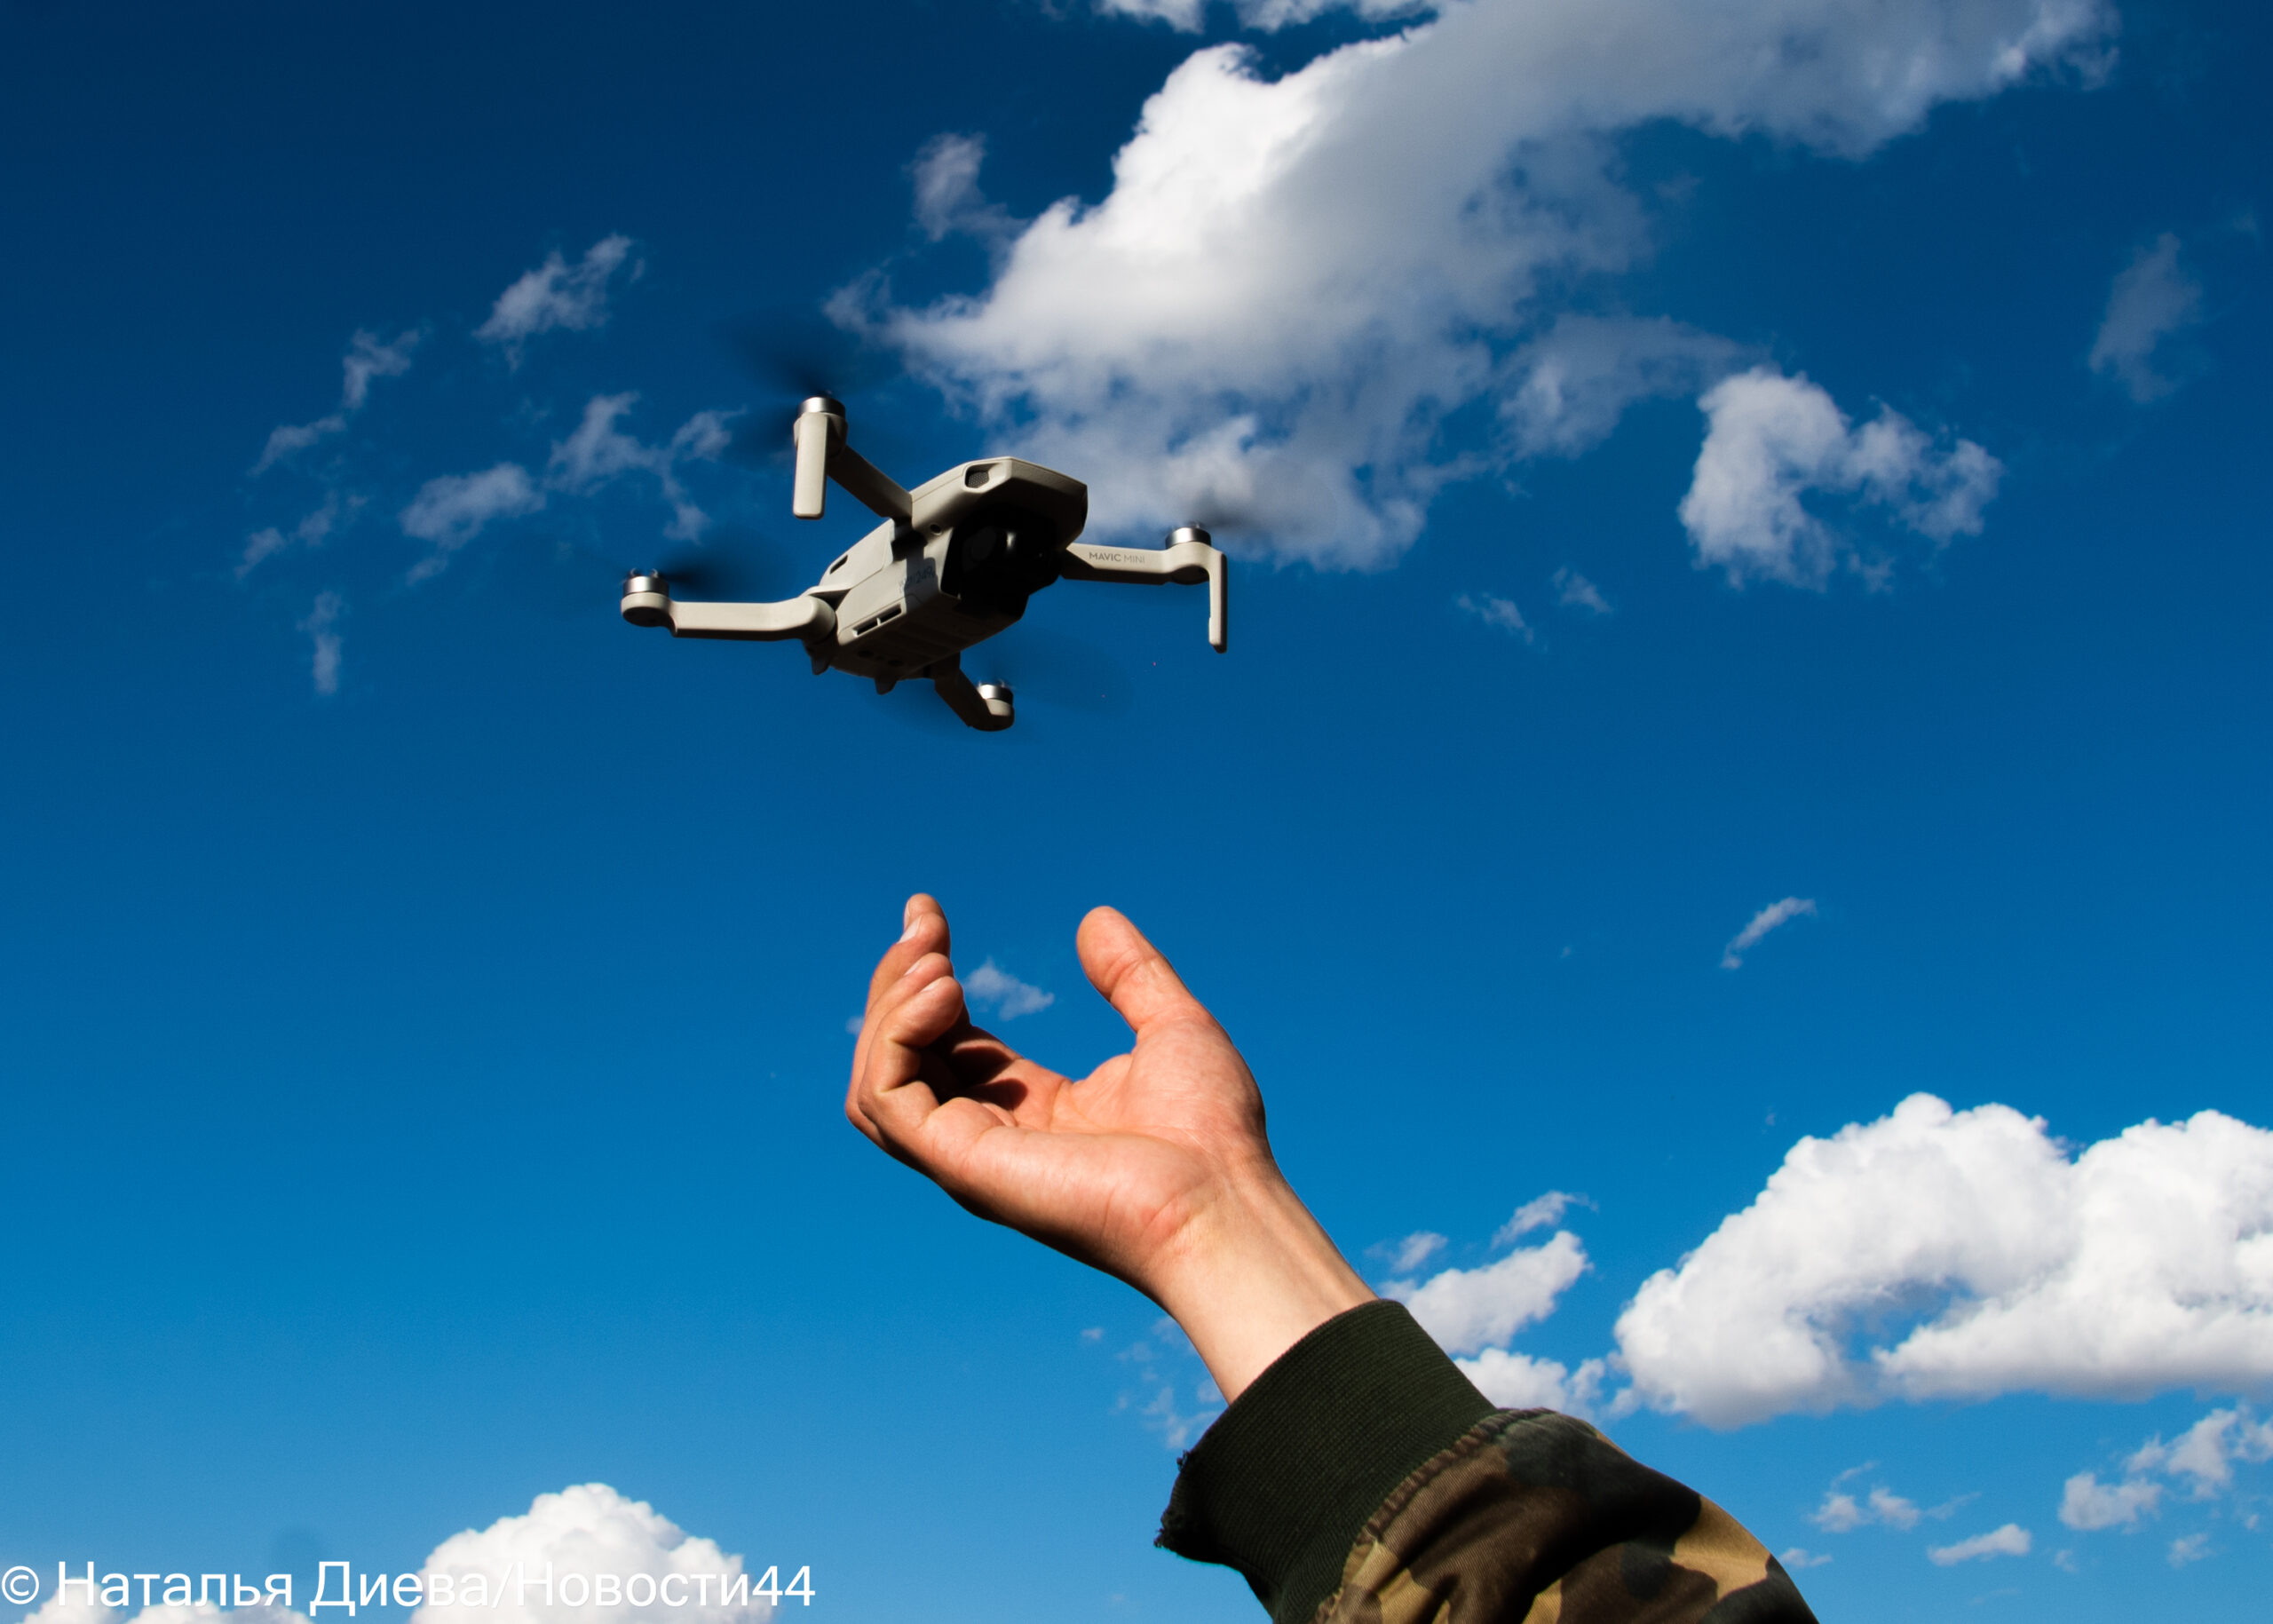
451, 510
1417, 1249
2010, 1541
599, 452
1495, 612
1540, 1212
367, 358
1798, 1557
1573, 590
322, 629
2153, 298
313, 529
557, 296
2188, 1548
947, 198
992, 986
1768, 919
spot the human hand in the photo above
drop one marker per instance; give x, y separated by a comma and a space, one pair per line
1154, 1168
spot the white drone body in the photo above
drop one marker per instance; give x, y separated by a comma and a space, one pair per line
953, 562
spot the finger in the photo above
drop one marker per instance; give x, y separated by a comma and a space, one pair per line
899, 1077
1131, 973
923, 929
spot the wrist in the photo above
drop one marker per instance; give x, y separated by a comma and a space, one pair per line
1250, 1275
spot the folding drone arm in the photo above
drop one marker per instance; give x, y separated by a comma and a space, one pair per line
1189, 559
824, 452
647, 602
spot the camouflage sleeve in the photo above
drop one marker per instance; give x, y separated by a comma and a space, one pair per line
1362, 1480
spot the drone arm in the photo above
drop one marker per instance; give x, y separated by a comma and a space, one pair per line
825, 453
988, 716
871, 486
800, 618
1188, 560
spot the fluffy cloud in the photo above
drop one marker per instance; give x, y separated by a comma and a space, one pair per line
1497, 612
996, 988
556, 295
1467, 1310
599, 452
2010, 1541
367, 359
588, 1530
579, 1534
1942, 1254
451, 510
1774, 914
2087, 1504
2153, 298
1294, 281
1773, 440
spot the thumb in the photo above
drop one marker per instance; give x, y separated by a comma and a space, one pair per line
1131, 973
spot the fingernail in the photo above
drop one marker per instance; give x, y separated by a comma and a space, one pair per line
908, 935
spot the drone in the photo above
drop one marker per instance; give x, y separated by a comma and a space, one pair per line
953, 562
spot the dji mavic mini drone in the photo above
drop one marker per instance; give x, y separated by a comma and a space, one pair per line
953, 564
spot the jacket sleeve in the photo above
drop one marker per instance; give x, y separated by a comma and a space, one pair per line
1362, 1480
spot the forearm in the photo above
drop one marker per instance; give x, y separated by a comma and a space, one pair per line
1250, 1274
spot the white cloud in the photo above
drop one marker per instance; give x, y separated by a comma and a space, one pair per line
1773, 440
1573, 590
322, 629
1518, 1382
313, 529
1467, 1310
1563, 392
947, 198
1191, 16
1415, 1249
599, 452
1294, 280
1497, 612
74, 1610
990, 984
367, 358
2187, 1549
2087, 1504
584, 1535
451, 510
1938, 1254
2153, 298
1842, 1513
1538, 1213
2010, 1541
2206, 1451
1799, 1558
1774, 914
556, 295
588, 1530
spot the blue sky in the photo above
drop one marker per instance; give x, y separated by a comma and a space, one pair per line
1671, 470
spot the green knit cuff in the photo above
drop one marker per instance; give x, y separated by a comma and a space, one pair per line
1280, 1486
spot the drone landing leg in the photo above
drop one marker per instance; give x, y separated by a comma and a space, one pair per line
988, 709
